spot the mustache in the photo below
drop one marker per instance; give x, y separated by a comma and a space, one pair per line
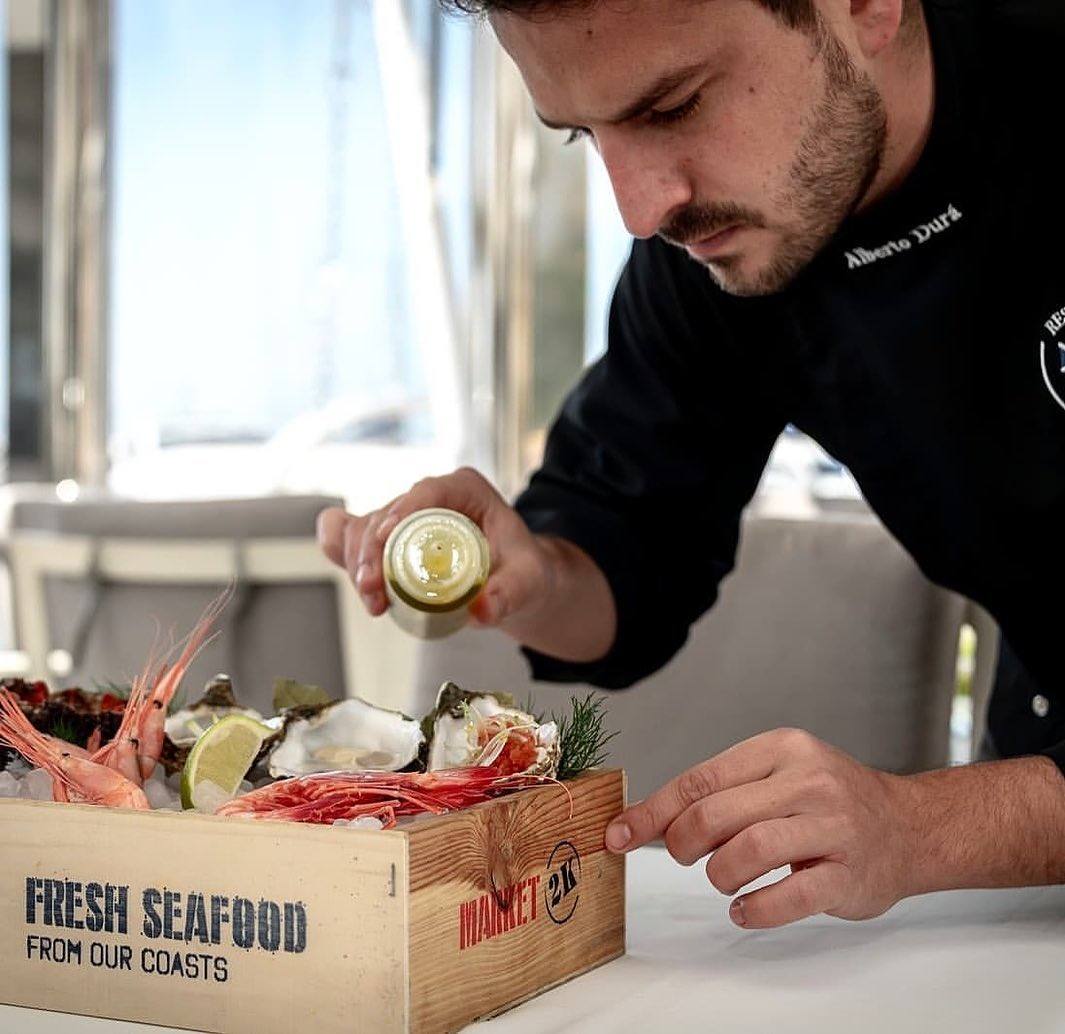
696, 222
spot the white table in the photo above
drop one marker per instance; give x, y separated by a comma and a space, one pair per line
965, 961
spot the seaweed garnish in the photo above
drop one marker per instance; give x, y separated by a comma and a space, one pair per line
65, 730
290, 695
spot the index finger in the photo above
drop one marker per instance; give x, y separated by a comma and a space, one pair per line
745, 762
464, 490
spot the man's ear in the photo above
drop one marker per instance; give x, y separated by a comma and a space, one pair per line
876, 23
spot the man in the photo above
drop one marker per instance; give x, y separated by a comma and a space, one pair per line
849, 218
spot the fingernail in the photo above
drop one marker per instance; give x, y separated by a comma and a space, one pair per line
360, 574
735, 912
617, 836
384, 529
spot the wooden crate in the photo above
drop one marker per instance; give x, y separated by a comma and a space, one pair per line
233, 925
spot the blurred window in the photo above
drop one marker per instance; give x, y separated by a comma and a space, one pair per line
579, 245
281, 319
5, 338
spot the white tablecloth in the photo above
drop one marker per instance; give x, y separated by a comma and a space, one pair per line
965, 961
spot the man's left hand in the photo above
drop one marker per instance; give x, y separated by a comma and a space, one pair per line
785, 798
857, 840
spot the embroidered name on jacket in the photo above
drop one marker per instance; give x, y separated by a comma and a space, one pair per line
858, 257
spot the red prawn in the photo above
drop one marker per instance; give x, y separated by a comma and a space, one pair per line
327, 796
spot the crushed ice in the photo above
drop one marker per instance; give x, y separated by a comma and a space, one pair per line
161, 795
34, 784
361, 822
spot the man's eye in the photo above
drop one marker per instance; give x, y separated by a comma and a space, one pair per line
681, 111
575, 135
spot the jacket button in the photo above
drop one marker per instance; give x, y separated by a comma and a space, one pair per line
1040, 705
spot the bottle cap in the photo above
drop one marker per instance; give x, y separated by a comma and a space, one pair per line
436, 559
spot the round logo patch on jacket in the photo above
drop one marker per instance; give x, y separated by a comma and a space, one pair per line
1052, 358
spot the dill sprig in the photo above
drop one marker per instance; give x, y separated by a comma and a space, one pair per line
581, 737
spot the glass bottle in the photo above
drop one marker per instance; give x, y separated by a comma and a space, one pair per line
435, 563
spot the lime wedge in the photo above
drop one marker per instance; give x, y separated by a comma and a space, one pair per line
219, 760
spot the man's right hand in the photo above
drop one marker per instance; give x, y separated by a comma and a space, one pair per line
520, 575
543, 591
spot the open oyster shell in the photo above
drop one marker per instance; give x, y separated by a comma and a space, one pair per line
487, 728
345, 735
186, 726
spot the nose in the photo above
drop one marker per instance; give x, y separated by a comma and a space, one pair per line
649, 184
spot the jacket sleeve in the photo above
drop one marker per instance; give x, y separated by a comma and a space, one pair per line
651, 460
1016, 725
1056, 753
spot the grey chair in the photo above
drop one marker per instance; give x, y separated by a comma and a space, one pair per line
826, 624
93, 580
986, 662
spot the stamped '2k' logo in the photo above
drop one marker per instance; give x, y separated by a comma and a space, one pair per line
1052, 357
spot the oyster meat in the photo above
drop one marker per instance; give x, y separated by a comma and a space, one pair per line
489, 729
345, 735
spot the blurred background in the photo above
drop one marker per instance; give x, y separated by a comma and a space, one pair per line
265, 254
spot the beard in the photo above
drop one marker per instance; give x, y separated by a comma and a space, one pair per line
835, 162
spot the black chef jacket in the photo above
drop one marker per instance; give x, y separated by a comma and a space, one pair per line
924, 348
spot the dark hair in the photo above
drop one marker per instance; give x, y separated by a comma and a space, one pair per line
797, 14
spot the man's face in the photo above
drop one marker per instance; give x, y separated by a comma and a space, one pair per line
722, 129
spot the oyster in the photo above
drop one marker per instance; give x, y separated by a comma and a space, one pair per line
185, 727
345, 735
488, 729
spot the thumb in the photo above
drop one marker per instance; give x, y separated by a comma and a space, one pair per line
488, 609
501, 597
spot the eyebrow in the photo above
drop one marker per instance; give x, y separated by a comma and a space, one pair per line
662, 87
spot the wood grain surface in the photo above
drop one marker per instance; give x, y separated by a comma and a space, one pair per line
423, 928
351, 975
507, 853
